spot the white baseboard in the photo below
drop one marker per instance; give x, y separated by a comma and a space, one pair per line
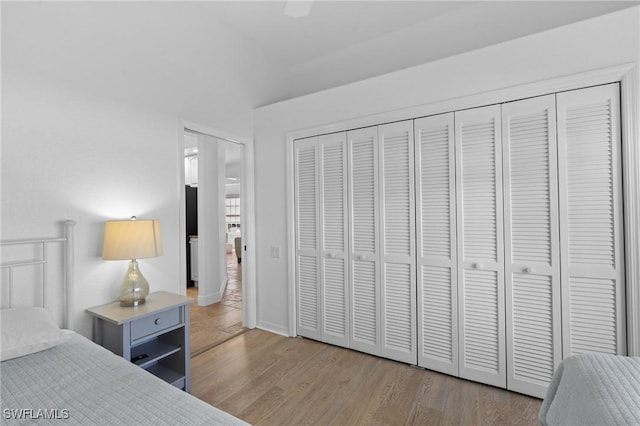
273, 328
208, 299
223, 286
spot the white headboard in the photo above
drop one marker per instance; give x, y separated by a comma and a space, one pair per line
38, 256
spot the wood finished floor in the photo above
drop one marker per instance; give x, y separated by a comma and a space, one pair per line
216, 323
267, 379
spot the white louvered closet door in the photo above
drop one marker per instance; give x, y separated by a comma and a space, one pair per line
436, 244
333, 231
591, 221
397, 242
480, 245
532, 263
307, 237
363, 242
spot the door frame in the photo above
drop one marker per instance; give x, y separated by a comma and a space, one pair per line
627, 74
247, 213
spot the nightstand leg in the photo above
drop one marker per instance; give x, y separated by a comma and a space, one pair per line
97, 331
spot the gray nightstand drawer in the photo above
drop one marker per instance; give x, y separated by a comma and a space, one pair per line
152, 324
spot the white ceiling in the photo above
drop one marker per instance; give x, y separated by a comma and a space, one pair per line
345, 41
214, 62
331, 25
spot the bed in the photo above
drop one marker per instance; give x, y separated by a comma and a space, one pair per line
52, 374
593, 389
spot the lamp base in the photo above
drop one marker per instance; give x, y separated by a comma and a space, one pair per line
132, 303
134, 287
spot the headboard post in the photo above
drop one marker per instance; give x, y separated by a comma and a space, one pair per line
69, 288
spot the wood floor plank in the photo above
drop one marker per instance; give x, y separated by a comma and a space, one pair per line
218, 322
267, 379
231, 360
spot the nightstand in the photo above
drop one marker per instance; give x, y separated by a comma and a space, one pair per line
154, 336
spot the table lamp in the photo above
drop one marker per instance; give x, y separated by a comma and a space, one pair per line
131, 240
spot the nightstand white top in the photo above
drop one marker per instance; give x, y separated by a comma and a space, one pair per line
154, 303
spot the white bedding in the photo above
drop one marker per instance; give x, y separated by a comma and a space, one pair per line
594, 389
81, 383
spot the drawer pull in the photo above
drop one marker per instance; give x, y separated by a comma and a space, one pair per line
158, 321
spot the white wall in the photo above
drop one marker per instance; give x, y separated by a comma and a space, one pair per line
173, 57
68, 156
596, 43
92, 97
212, 275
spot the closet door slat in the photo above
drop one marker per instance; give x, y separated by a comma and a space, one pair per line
436, 244
333, 230
480, 245
307, 237
363, 240
397, 241
532, 264
591, 220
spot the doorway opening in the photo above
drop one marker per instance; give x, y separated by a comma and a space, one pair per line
214, 244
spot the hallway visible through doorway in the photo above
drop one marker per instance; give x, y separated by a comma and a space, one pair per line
216, 323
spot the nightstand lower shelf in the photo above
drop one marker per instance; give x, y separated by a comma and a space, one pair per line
148, 353
167, 374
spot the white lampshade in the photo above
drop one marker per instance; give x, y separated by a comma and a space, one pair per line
131, 239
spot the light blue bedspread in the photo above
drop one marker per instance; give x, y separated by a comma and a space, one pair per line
594, 389
81, 383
